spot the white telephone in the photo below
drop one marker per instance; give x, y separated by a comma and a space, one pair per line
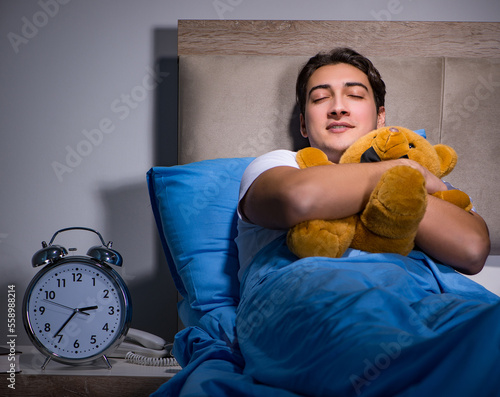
143, 348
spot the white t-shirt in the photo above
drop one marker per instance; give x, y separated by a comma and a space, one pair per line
252, 238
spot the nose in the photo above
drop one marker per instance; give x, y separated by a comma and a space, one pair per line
338, 108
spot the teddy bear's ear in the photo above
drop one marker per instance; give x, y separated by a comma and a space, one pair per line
448, 158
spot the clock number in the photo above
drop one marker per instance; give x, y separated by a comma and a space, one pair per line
42, 309
50, 294
77, 277
47, 327
61, 283
76, 345
93, 340
106, 294
60, 337
111, 310
106, 327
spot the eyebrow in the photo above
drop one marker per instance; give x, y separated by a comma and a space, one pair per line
347, 84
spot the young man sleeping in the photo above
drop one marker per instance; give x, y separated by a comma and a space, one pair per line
381, 323
341, 97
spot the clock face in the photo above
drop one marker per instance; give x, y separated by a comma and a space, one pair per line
76, 310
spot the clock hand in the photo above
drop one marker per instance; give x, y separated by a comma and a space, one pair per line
58, 304
84, 309
70, 308
75, 311
66, 322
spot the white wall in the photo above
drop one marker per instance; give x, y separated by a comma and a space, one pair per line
68, 68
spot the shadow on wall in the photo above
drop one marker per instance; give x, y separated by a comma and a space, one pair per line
165, 117
131, 227
130, 220
299, 142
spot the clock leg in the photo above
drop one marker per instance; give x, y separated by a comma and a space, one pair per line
45, 363
106, 361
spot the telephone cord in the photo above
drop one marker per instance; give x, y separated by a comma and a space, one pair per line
139, 359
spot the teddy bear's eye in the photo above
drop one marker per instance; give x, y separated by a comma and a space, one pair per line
411, 145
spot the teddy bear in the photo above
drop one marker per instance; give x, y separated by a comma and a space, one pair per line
390, 219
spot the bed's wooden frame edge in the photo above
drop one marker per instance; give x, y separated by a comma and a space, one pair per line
387, 38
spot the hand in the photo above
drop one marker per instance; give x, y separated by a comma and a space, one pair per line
75, 312
433, 184
82, 310
66, 322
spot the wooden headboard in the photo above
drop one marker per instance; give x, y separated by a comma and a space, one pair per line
236, 89
371, 38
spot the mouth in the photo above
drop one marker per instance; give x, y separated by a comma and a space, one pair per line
338, 127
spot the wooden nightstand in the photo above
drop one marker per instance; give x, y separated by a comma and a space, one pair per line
123, 379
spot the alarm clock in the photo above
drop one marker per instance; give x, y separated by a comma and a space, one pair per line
76, 309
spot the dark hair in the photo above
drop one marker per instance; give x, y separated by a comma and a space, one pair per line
336, 56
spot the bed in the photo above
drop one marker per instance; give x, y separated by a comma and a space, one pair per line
365, 324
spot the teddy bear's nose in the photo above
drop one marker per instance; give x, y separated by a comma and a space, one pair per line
392, 144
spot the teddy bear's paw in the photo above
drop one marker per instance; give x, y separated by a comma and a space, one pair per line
310, 157
457, 197
397, 204
367, 241
321, 238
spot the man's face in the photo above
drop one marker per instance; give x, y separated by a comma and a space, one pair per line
340, 108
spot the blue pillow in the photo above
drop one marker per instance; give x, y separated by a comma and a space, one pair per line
195, 211
421, 133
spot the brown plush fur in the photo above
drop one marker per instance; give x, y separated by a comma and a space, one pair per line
396, 206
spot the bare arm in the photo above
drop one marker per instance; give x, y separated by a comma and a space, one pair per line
282, 197
453, 236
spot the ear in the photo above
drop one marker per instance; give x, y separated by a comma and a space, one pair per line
303, 129
447, 157
381, 117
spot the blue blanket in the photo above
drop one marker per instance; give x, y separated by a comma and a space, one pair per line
362, 325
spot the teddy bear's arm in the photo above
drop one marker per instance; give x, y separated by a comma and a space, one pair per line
310, 157
319, 237
457, 197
